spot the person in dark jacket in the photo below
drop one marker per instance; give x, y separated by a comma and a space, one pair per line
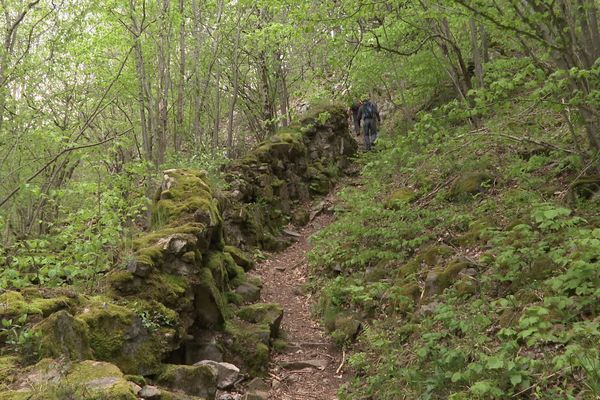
367, 115
354, 113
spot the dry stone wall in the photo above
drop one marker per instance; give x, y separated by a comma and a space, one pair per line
186, 294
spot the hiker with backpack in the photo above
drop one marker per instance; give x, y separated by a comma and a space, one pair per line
367, 113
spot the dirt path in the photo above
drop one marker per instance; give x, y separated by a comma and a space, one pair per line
283, 276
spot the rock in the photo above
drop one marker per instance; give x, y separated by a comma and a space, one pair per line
440, 279
242, 259
249, 292
257, 395
149, 392
85, 379
269, 314
257, 384
346, 328
204, 348
292, 233
195, 380
229, 396
62, 335
319, 364
118, 335
227, 374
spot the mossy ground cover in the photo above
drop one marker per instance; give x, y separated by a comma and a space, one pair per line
471, 263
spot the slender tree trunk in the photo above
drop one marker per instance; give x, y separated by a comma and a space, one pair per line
268, 114
144, 87
282, 89
178, 132
163, 86
196, 104
476, 53
217, 116
236, 86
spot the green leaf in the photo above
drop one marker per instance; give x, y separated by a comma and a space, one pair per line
495, 363
516, 379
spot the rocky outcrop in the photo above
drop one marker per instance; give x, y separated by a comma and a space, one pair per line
184, 295
287, 170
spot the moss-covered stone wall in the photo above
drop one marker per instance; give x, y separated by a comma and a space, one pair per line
183, 296
282, 173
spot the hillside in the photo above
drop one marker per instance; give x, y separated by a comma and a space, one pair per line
295, 200
471, 260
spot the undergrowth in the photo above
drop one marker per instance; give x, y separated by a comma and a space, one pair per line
471, 260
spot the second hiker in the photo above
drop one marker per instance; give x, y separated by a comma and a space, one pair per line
367, 113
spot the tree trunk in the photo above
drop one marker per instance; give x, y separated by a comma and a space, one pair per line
163, 85
179, 129
236, 86
476, 53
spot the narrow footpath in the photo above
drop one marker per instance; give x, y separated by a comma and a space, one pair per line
311, 367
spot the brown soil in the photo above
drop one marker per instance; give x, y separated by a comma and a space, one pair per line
284, 275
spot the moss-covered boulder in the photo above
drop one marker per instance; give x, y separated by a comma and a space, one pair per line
34, 302
195, 380
440, 279
85, 380
263, 313
119, 335
62, 335
249, 346
240, 257
469, 184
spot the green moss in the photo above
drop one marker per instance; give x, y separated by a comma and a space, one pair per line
300, 216
411, 290
448, 275
249, 346
469, 184
108, 324
478, 233
14, 304
137, 379
263, 313
17, 395
62, 335
541, 268
466, 287
434, 254
215, 262
398, 199
408, 269
346, 328
173, 291
240, 258
210, 302
105, 381
280, 345
9, 365
191, 379
151, 256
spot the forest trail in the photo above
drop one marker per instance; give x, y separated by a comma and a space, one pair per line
283, 276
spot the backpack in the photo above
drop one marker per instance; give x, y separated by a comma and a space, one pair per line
368, 110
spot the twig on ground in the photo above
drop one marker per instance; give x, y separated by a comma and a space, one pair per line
337, 371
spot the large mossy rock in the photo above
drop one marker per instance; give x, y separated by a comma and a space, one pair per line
85, 380
195, 380
119, 335
62, 335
